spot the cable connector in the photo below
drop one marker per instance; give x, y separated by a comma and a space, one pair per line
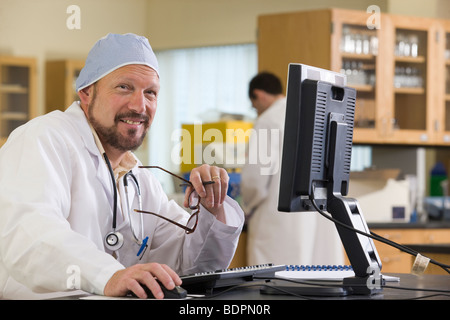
420, 264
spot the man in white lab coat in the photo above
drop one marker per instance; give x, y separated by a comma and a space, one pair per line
67, 219
273, 236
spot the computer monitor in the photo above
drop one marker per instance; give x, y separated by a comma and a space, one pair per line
315, 166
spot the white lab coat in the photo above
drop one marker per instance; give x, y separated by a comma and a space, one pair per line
56, 199
273, 236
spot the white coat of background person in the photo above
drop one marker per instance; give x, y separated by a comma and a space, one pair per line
273, 236
57, 192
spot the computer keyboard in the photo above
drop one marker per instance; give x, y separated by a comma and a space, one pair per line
207, 282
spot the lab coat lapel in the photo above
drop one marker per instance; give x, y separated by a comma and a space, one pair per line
89, 142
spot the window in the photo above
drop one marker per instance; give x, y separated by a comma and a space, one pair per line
197, 83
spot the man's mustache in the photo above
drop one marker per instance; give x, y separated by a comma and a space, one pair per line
133, 115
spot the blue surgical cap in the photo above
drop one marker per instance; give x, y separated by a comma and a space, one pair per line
112, 52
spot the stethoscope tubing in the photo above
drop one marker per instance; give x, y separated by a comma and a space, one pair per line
138, 189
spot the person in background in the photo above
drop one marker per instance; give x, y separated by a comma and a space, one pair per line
273, 236
67, 197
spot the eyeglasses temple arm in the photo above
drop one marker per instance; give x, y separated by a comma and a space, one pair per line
187, 182
167, 219
173, 174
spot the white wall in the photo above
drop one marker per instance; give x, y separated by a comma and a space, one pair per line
37, 28
190, 23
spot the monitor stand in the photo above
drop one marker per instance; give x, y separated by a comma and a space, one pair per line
360, 249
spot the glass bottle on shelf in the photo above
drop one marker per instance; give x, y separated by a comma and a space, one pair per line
406, 45
359, 49
410, 69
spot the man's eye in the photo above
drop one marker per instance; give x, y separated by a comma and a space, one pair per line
123, 87
150, 94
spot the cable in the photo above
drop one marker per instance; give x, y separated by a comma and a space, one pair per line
372, 234
111, 173
437, 292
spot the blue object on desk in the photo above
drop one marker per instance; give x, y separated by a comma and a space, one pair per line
234, 184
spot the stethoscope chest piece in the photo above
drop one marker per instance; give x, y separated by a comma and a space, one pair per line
114, 241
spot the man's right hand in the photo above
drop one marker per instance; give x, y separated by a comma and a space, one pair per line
134, 277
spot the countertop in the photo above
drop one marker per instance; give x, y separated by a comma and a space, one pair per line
408, 225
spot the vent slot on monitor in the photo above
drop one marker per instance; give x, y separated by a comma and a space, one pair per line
320, 126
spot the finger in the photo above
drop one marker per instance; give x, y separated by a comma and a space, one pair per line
150, 282
217, 187
173, 275
165, 276
224, 185
198, 175
187, 192
211, 195
136, 288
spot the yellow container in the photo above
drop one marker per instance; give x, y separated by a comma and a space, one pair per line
222, 143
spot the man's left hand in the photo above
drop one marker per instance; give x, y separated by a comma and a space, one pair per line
212, 195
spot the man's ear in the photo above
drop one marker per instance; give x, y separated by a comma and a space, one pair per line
257, 93
86, 95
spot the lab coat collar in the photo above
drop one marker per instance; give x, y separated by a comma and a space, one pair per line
90, 137
83, 128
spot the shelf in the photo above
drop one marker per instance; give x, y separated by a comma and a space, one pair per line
409, 90
14, 116
13, 88
17, 93
357, 56
419, 59
362, 87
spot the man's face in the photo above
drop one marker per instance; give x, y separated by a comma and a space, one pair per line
123, 106
258, 100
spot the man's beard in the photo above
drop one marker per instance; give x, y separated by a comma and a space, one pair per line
112, 137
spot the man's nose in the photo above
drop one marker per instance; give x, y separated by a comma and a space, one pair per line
137, 102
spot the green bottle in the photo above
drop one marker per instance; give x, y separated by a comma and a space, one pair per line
438, 174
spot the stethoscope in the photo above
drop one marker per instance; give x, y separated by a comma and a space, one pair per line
114, 240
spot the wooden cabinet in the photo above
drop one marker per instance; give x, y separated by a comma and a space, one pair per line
60, 83
411, 108
394, 260
398, 69
17, 93
442, 120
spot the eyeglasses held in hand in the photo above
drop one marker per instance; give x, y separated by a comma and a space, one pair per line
193, 203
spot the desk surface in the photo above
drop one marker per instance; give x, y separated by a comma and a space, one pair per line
410, 287
392, 290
